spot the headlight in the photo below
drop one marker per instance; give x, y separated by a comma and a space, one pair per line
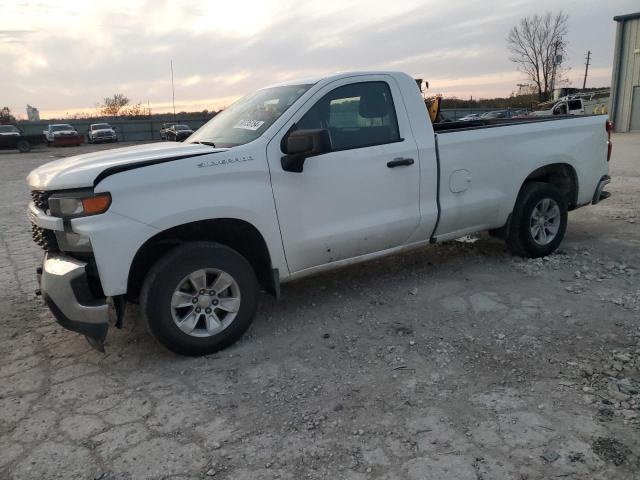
79, 204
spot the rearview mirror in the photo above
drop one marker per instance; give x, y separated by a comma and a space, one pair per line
301, 144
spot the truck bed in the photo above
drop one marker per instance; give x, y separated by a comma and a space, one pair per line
482, 168
458, 126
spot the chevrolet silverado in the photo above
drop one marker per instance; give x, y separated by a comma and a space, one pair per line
294, 179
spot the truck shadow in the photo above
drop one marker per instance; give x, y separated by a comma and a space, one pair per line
314, 299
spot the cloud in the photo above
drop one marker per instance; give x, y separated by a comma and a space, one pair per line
65, 57
14, 36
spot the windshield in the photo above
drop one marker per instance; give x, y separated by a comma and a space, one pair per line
181, 127
57, 128
100, 126
249, 117
7, 128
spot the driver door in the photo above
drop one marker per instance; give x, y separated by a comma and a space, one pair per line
360, 197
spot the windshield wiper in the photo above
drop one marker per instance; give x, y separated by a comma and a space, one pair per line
211, 144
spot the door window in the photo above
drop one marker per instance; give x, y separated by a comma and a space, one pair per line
575, 105
357, 115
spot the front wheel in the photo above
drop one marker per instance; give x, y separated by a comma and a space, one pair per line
24, 146
538, 222
199, 298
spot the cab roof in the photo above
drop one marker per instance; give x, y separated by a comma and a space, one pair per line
335, 76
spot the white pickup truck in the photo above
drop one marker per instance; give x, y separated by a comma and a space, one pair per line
291, 180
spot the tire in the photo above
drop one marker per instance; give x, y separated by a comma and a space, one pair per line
537, 200
24, 146
167, 291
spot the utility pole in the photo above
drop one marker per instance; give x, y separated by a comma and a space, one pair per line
173, 93
554, 66
586, 70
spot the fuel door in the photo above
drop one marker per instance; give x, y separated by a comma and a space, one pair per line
459, 181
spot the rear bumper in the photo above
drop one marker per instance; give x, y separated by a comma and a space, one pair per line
600, 194
65, 290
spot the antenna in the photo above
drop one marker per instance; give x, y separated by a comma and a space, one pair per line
586, 70
173, 93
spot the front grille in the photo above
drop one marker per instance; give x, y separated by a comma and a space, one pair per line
41, 199
44, 238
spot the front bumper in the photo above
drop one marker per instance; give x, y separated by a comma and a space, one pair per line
65, 289
64, 140
103, 138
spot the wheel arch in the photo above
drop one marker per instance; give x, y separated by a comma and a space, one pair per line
561, 175
239, 235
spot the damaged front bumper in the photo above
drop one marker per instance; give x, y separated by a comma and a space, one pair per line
65, 289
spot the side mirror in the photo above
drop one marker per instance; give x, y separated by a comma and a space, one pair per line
301, 144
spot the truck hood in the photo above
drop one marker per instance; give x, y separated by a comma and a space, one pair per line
64, 132
82, 170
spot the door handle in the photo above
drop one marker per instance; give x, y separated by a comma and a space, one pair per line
399, 162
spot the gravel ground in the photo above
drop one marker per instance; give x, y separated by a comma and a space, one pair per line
456, 361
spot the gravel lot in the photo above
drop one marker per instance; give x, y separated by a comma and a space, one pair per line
451, 362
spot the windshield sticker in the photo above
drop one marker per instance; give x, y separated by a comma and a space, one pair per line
249, 124
224, 161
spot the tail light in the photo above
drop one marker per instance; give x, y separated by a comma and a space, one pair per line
609, 128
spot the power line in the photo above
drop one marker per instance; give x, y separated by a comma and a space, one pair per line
586, 70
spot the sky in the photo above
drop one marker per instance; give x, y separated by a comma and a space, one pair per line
65, 57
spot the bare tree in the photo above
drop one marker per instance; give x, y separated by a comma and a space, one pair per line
111, 106
537, 46
6, 116
136, 110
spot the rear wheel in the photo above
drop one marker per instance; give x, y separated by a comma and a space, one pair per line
538, 222
199, 298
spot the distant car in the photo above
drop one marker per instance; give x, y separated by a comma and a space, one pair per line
164, 128
12, 137
177, 133
520, 114
101, 132
62, 134
471, 116
495, 114
9, 131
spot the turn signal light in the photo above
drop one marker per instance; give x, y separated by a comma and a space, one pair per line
97, 204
